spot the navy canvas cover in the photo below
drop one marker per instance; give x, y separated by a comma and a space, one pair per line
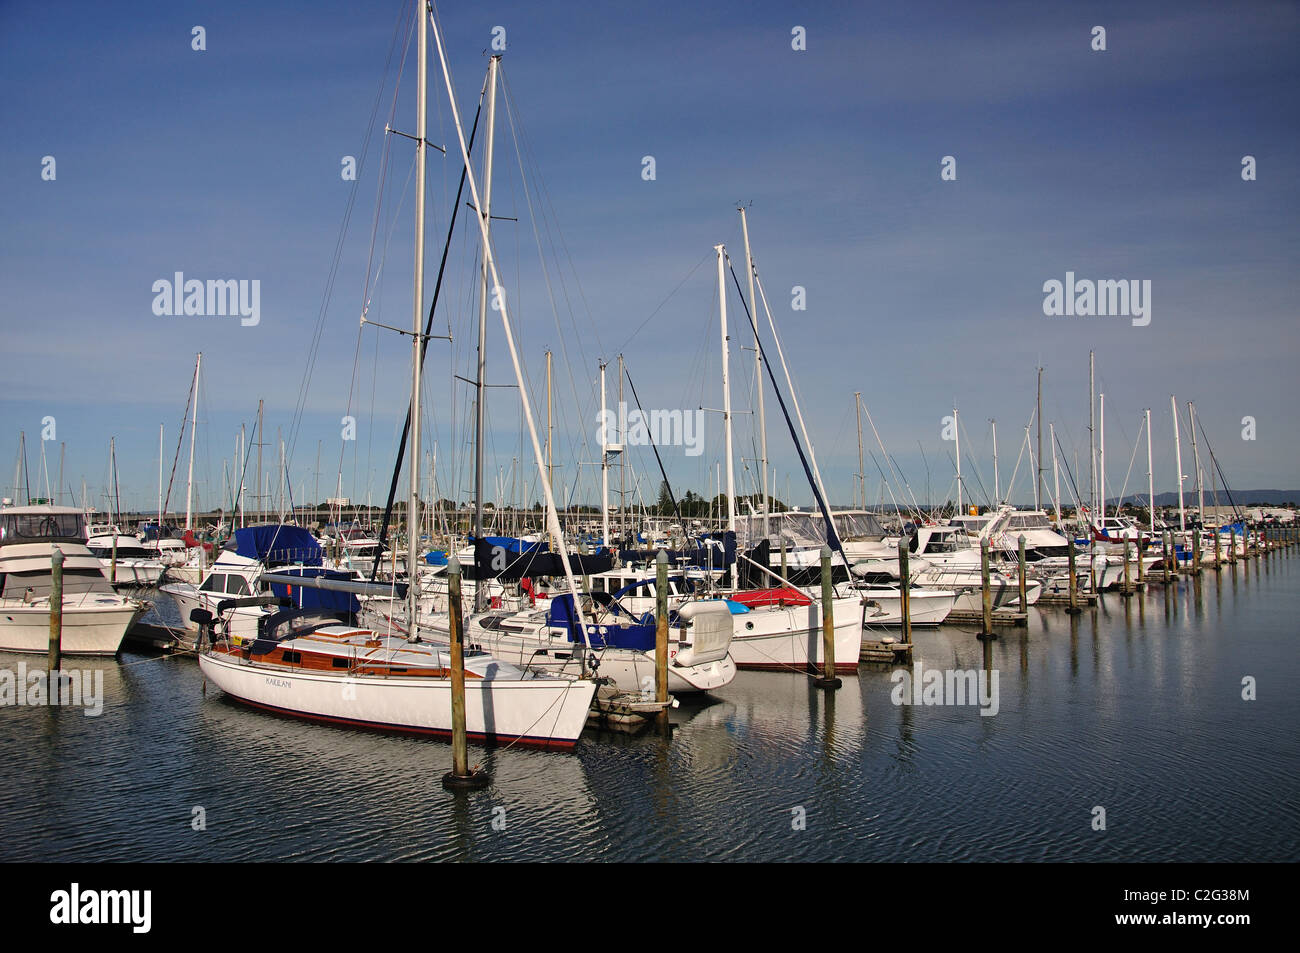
278, 545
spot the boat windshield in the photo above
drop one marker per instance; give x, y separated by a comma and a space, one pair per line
857, 527
1029, 521
16, 527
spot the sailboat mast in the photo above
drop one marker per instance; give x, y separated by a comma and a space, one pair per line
18, 468
1101, 460
604, 462
413, 459
259, 461
1214, 489
194, 424
243, 461
58, 487
550, 469
1040, 435
758, 377
1092, 433
956, 432
1030, 447
552, 513
1056, 477
1151, 485
112, 460
621, 438
997, 487
726, 388
160, 475
1196, 458
862, 477
280, 483
485, 216
1178, 461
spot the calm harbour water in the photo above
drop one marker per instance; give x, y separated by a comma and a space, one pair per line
1135, 707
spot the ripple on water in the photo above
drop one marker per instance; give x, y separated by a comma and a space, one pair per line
1137, 710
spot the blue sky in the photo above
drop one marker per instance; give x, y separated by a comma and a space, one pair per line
225, 163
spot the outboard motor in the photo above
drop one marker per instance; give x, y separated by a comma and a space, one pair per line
207, 626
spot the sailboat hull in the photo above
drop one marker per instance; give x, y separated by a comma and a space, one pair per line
790, 637
541, 713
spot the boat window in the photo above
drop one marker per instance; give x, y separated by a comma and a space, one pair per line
214, 583
237, 586
15, 526
941, 544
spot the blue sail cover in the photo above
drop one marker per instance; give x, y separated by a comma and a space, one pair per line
704, 555
621, 635
277, 545
499, 561
307, 598
516, 547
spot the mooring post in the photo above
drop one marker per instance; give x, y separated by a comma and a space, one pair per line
460, 778
905, 589
1073, 608
112, 570
1127, 591
986, 592
1218, 551
828, 679
1020, 556
1137, 548
1232, 545
661, 638
1196, 552
56, 613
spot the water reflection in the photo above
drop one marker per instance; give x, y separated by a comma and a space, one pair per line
1134, 706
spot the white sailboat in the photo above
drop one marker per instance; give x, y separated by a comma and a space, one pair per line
310, 666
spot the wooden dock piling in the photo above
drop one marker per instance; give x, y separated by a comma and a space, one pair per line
460, 777
905, 590
1020, 560
1126, 590
986, 594
55, 660
828, 680
1074, 582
